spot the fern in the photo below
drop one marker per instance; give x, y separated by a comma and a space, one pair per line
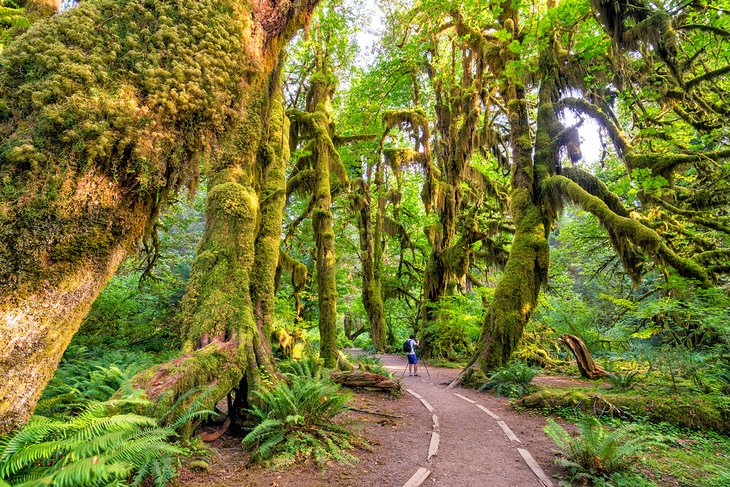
309, 368
370, 363
625, 380
296, 423
596, 453
511, 381
101, 446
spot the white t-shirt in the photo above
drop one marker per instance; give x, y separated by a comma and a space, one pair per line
413, 344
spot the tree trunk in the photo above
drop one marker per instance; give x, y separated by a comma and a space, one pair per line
228, 303
325, 247
516, 294
586, 365
361, 378
83, 177
324, 155
371, 247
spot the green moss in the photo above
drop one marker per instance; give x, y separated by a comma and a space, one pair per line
105, 111
696, 411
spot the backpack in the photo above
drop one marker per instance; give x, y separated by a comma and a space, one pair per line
407, 346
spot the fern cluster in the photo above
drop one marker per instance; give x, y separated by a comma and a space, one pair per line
296, 423
511, 381
596, 453
308, 368
86, 376
104, 445
370, 363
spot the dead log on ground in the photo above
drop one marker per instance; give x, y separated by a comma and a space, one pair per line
588, 368
360, 378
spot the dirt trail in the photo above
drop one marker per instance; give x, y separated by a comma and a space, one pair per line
473, 451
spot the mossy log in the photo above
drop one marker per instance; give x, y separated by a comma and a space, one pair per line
361, 378
106, 111
588, 368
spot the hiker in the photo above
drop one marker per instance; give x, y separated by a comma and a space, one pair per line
410, 348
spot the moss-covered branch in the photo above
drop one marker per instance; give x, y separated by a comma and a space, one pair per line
629, 229
662, 163
618, 138
595, 187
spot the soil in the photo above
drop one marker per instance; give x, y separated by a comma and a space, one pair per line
473, 449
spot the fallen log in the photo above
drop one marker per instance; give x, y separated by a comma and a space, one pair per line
588, 368
361, 378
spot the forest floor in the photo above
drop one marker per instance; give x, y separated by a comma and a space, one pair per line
473, 448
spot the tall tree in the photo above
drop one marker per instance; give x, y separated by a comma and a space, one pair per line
106, 111
319, 169
525, 68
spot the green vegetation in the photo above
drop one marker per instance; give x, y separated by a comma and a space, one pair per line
490, 177
511, 381
296, 424
596, 455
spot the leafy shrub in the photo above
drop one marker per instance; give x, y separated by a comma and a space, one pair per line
454, 332
370, 363
596, 453
625, 380
307, 368
296, 423
511, 381
100, 446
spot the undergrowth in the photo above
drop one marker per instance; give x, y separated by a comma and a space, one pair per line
596, 455
370, 363
295, 424
106, 443
511, 381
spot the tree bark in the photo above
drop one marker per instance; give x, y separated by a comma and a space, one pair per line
371, 248
586, 365
86, 175
360, 378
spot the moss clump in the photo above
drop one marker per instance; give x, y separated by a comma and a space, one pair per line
696, 411
473, 378
107, 109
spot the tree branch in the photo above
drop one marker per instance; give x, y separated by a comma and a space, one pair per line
628, 229
617, 137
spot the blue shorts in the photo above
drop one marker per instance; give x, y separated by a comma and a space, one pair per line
412, 359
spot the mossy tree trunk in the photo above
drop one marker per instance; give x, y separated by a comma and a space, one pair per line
324, 237
516, 294
315, 172
372, 253
126, 126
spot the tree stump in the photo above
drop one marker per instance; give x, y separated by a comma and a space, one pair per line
586, 365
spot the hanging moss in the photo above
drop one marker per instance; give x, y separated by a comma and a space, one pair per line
629, 230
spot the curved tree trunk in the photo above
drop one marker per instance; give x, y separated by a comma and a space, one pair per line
84, 177
587, 367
